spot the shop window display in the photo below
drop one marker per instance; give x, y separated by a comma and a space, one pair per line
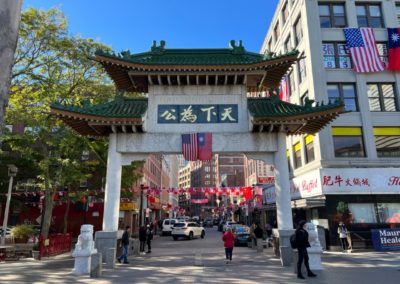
363, 212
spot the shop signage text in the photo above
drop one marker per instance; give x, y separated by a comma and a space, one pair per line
193, 114
386, 239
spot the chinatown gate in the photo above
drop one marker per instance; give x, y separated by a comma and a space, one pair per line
196, 90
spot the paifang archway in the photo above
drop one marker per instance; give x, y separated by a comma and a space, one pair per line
176, 80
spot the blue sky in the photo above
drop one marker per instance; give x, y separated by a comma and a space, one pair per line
134, 24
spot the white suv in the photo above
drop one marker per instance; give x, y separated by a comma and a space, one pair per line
187, 230
167, 225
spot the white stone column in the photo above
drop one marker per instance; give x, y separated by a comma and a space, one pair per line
113, 186
283, 201
282, 185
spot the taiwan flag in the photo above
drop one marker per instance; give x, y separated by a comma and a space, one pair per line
197, 146
204, 147
394, 48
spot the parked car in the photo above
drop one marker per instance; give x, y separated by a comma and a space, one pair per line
187, 230
208, 223
227, 225
167, 226
242, 234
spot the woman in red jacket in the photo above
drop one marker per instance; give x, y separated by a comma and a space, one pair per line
229, 241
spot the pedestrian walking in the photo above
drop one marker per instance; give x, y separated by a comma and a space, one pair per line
149, 237
302, 244
259, 235
125, 245
142, 239
229, 241
253, 236
342, 232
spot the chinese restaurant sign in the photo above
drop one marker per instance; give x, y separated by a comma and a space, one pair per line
192, 114
386, 239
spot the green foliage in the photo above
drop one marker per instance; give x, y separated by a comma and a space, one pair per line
22, 231
50, 66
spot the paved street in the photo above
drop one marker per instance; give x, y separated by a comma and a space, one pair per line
202, 261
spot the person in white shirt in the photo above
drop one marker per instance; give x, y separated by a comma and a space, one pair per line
342, 232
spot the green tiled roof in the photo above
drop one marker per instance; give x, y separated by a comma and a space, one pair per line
120, 107
274, 107
159, 55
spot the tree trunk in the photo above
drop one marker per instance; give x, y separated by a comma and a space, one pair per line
48, 211
48, 202
66, 216
10, 15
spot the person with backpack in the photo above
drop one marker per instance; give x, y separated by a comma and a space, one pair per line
125, 246
301, 243
149, 237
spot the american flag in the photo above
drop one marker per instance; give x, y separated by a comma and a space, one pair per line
189, 146
284, 89
363, 51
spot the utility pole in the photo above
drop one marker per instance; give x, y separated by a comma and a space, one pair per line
10, 11
141, 206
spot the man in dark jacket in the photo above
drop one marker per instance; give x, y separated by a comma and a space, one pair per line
302, 245
142, 239
259, 234
125, 245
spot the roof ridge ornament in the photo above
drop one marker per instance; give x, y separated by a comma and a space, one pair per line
308, 103
158, 49
237, 49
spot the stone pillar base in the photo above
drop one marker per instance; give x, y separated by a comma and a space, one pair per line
285, 250
104, 241
96, 265
314, 254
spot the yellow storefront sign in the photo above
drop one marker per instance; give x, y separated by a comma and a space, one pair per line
127, 206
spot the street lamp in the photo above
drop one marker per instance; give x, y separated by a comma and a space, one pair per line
12, 172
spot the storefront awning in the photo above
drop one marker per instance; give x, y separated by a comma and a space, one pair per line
308, 202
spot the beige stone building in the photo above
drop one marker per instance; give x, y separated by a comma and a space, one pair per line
348, 171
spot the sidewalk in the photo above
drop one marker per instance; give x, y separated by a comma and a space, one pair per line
207, 266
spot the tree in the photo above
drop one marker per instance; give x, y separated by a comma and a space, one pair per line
51, 66
10, 11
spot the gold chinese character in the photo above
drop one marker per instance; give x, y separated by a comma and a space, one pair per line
187, 115
169, 114
209, 112
227, 114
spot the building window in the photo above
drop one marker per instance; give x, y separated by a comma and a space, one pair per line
381, 97
336, 55
383, 52
348, 142
288, 45
332, 15
387, 142
292, 84
276, 32
297, 155
398, 13
270, 44
285, 13
388, 212
309, 142
369, 15
344, 92
301, 65
298, 32
363, 212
